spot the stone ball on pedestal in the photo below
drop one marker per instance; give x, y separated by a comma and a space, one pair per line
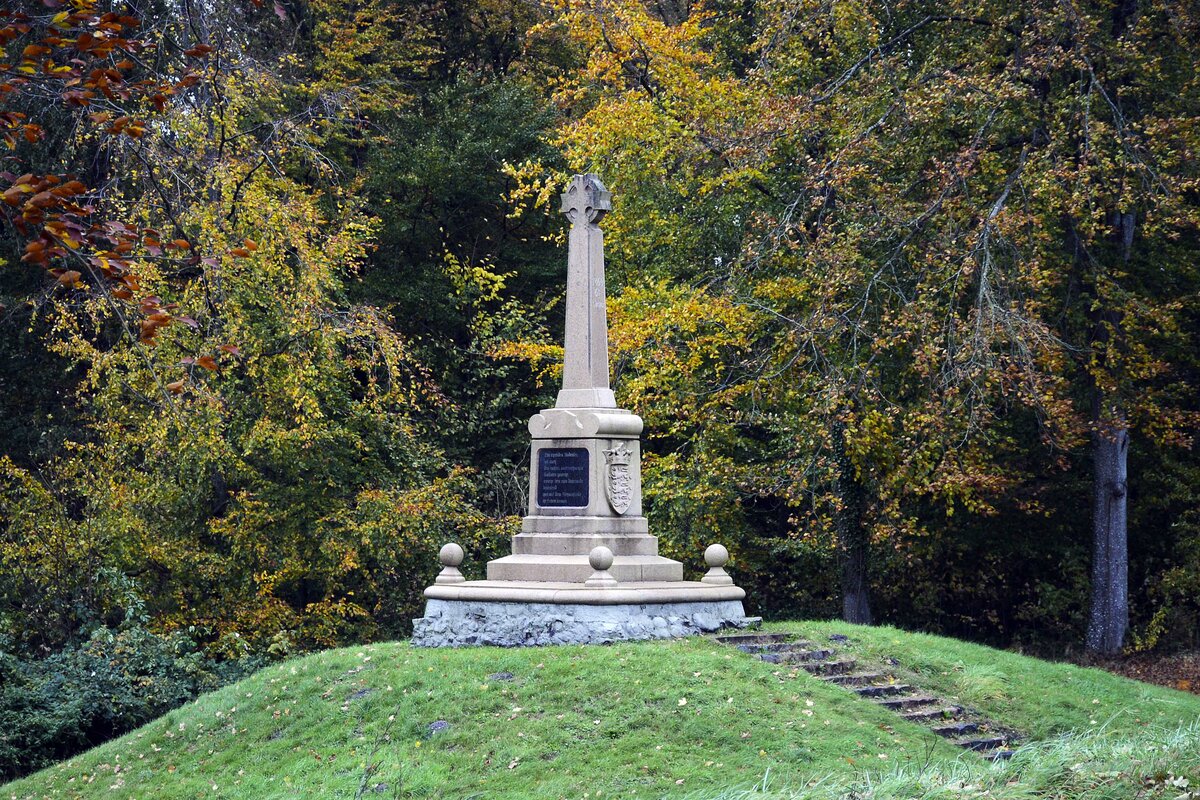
716, 555
451, 555
601, 558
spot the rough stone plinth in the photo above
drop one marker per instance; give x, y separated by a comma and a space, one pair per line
464, 623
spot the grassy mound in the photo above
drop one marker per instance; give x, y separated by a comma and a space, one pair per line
687, 718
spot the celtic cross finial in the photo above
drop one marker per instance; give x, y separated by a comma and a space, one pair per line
586, 199
585, 346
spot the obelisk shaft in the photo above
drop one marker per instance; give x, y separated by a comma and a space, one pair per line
585, 357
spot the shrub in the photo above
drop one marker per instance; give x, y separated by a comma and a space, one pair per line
116, 680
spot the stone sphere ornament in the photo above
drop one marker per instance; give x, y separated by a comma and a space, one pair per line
601, 558
716, 557
451, 555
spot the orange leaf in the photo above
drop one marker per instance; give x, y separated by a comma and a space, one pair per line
70, 277
240, 252
176, 386
208, 362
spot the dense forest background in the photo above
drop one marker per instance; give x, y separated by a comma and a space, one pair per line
906, 292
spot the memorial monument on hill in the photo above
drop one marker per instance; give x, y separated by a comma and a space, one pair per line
584, 568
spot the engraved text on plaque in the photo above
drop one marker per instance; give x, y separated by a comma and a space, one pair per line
562, 477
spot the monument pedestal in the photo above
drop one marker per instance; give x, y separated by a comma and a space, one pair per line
584, 568
469, 619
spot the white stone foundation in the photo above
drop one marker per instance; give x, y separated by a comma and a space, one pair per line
464, 623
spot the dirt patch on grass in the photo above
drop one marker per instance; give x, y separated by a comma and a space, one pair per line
1178, 670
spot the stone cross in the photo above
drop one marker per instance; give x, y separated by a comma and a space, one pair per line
585, 357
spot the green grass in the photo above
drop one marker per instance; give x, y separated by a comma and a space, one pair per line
687, 718
1037, 698
1097, 765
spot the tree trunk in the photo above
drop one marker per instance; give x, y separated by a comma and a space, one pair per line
853, 541
1109, 614
1108, 617
1110, 552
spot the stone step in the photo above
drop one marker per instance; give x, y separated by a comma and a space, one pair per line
855, 678
955, 729
795, 656
563, 543
772, 647
932, 714
999, 754
753, 638
982, 742
822, 668
577, 568
886, 690
912, 701
805, 656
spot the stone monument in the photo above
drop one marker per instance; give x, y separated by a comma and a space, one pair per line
584, 568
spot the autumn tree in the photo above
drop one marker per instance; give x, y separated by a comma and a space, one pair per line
257, 240
250, 450
948, 219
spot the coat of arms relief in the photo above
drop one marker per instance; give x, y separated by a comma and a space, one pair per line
618, 480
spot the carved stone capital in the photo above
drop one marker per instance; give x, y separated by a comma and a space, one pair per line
562, 423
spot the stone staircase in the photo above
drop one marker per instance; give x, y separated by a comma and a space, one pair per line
967, 729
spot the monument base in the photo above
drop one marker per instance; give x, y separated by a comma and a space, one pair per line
540, 568
513, 614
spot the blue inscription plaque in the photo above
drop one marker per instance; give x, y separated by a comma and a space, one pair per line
563, 477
